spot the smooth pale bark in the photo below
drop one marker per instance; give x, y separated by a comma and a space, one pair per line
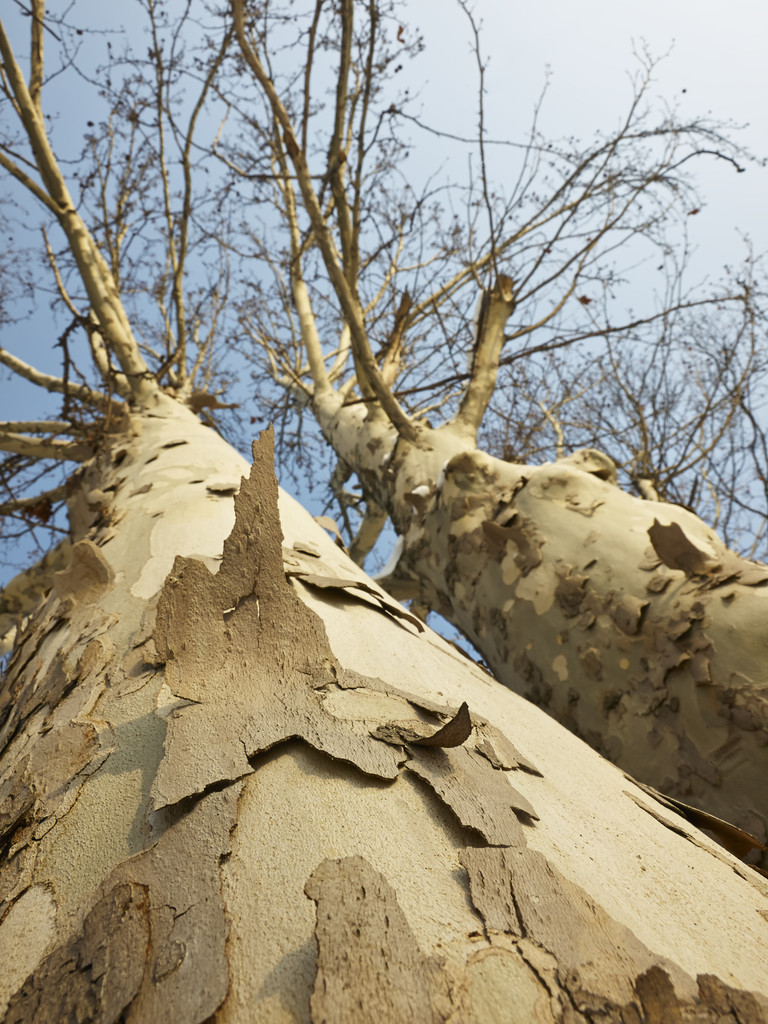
551, 573
216, 805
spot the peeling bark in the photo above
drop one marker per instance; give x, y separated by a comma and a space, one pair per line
626, 619
153, 947
369, 962
644, 639
230, 794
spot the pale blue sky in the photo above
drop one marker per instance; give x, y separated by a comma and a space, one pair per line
716, 55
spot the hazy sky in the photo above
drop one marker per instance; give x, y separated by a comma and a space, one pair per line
716, 64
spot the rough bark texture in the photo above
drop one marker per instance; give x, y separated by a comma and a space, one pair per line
218, 803
627, 620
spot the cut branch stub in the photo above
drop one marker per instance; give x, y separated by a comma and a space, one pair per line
497, 307
392, 352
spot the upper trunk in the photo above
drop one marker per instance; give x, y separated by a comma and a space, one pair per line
215, 799
647, 641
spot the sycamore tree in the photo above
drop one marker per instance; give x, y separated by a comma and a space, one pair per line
426, 344
238, 779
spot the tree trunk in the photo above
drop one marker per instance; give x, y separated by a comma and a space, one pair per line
647, 641
238, 784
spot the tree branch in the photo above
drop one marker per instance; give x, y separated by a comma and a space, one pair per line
29, 184
45, 497
51, 383
94, 271
486, 354
38, 426
350, 304
36, 54
368, 532
38, 448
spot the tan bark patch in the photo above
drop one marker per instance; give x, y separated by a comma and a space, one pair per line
504, 989
519, 893
88, 575
250, 657
501, 752
369, 963
26, 932
676, 550
352, 585
97, 975
153, 946
628, 614
480, 798
523, 534
716, 1002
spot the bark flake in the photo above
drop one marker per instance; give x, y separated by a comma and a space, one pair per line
88, 575
351, 586
249, 656
518, 892
369, 962
481, 799
153, 946
97, 975
676, 550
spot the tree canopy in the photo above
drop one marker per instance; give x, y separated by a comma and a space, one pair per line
253, 195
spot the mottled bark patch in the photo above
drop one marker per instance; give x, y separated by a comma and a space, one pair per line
254, 662
153, 947
628, 614
601, 966
523, 534
97, 975
88, 575
570, 591
683, 648
480, 798
519, 893
501, 752
49, 744
716, 1002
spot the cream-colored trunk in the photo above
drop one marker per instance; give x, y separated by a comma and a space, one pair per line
216, 802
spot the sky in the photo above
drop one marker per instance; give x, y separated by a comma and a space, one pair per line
715, 64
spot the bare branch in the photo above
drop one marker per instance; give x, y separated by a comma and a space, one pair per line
498, 304
36, 51
373, 522
51, 383
51, 497
28, 183
94, 272
367, 368
37, 448
39, 426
